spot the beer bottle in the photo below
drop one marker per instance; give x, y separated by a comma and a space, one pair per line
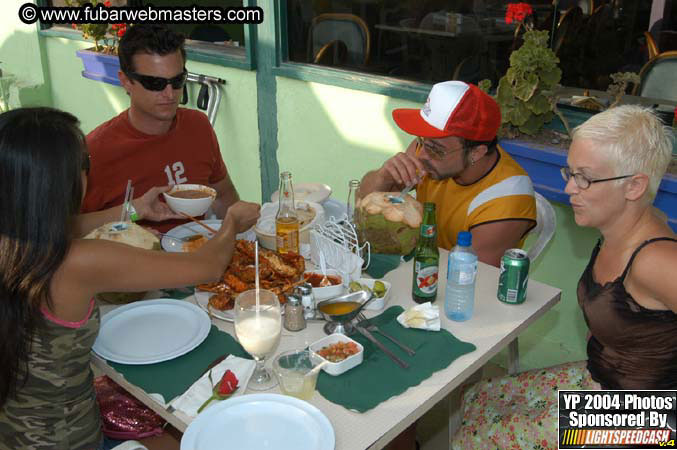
426, 259
287, 221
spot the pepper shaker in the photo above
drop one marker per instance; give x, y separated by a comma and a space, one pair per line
307, 300
293, 314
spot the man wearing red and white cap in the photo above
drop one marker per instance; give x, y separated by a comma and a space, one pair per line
456, 163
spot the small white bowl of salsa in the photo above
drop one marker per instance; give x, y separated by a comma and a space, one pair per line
324, 289
191, 199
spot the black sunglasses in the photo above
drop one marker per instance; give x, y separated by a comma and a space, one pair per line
158, 83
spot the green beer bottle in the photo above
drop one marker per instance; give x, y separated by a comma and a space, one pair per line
426, 259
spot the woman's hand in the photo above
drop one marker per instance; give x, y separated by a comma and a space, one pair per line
150, 207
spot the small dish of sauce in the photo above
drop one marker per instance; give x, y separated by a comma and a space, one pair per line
190, 193
339, 309
316, 280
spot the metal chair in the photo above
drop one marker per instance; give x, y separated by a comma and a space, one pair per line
659, 77
651, 47
347, 28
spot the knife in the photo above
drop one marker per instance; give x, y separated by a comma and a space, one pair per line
366, 333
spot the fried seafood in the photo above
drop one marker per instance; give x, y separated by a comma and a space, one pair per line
277, 273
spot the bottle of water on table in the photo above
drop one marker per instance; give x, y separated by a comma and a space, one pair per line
461, 277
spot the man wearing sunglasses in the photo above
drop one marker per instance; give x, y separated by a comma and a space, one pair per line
455, 162
154, 142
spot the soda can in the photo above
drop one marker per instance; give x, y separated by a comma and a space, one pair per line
514, 276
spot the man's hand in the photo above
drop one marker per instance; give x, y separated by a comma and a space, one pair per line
243, 215
150, 207
404, 169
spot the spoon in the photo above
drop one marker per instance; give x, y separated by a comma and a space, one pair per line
323, 268
178, 242
317, 368
399, 198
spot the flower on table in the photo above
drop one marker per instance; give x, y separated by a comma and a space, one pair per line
517, 12
228, 383
223, 389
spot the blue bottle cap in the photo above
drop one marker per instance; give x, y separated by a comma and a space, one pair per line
464, 239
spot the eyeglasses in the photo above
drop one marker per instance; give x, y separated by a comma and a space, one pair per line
435, 151
159, 83
86, 164
584, 182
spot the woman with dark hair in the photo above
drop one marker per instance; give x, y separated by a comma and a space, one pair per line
48, 318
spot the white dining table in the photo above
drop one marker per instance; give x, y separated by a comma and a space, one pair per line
492, 327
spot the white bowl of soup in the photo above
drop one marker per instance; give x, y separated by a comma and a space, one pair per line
191, 199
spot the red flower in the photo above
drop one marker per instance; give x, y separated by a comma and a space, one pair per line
106, 3
228, 383
518, 12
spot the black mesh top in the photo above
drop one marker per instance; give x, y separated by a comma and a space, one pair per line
632, 347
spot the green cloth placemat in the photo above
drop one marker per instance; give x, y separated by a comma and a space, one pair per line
381, 263
378, 377
178, 293
174, 377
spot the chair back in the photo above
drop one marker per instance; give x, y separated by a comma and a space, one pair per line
651, 47
545, 228
347, 28
659, 77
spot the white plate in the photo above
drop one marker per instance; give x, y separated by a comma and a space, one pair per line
202, 299
309, 192
192, 228
151, 331
260, 422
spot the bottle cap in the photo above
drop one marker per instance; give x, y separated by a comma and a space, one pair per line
293, 300
305, 289
464, 239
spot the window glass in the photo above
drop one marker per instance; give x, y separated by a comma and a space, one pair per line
437, 40
199, 36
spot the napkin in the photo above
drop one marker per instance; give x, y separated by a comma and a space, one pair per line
424, 316
191, 400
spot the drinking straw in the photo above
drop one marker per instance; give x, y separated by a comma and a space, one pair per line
256, 268
124, 204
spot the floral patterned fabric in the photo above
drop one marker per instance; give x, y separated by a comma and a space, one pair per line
518, 412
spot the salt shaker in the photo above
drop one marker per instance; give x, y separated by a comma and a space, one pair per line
293, 314
307, 300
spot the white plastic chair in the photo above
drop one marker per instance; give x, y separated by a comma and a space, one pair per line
545, 228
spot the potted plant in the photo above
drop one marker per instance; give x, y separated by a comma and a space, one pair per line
526, 95
101, 61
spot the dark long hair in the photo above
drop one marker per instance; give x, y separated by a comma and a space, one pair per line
42, 152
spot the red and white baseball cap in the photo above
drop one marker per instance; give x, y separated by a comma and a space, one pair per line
453, 108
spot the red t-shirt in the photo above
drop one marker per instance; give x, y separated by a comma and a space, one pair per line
188, 153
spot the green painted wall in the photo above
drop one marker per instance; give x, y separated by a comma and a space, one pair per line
330, 134
94, 102
21, 55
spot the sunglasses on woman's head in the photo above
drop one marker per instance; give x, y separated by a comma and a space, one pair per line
159, 83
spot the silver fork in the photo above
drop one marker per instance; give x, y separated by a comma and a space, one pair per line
364, 322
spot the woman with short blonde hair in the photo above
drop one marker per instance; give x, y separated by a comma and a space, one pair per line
628, 291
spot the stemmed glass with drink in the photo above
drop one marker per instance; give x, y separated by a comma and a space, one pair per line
258, 325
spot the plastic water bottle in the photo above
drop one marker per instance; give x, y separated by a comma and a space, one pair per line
459, 300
